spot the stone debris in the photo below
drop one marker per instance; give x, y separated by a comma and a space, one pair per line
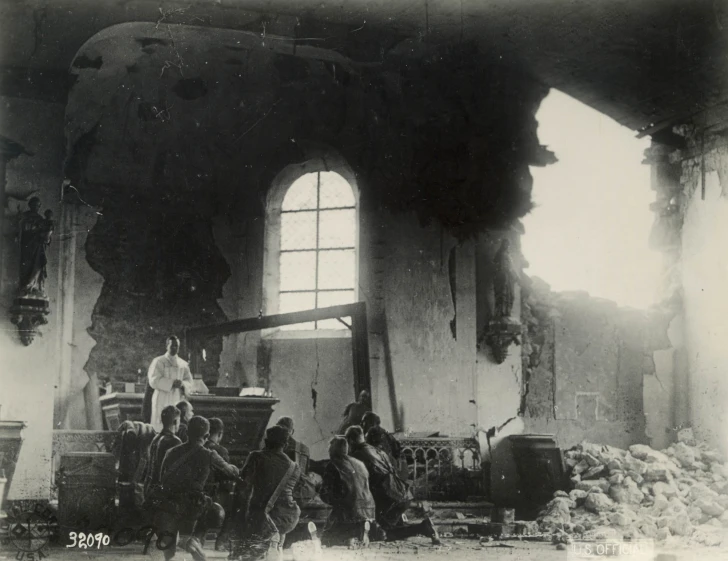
641, 492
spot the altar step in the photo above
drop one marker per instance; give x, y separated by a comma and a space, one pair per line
450, 517
456, 518
452, 510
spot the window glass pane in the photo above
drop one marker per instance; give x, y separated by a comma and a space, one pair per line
298, 271
337, 298
296, 302
298, 230
326, 299
301, 194
337, 228
335, 191
336, 269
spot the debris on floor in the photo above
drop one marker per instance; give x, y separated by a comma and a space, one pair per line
641, 492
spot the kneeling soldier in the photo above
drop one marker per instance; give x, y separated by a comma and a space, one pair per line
180, 502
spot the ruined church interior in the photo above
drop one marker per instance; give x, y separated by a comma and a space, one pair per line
476, 245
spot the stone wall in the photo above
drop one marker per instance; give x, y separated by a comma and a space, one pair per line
587, 375
690, 178
169, 167
704, 276
199, 144
423, 377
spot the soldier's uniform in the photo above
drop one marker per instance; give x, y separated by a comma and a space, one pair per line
270, 477
220, 487
299, 453
181, 504
182, 431
391, 493
346, 488
163, 442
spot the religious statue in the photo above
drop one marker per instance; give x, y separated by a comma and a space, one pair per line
504, 281
35, 237
503, 330
31, 305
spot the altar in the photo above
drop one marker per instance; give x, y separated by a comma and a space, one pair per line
245, 418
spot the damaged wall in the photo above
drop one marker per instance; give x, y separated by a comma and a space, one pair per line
76, 396
690, 229
173, 140
432, 372
499, 387
177, 134
299, 367
587, 376
422, 376
704, 281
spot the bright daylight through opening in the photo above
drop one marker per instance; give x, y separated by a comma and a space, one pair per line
590, 228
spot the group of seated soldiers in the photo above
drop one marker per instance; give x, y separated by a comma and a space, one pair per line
187, 469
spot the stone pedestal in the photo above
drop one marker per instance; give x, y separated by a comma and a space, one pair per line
500, 335
29, 313
245, 418
10, 442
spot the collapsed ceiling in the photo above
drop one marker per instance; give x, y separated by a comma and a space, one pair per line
647, 64
177, 112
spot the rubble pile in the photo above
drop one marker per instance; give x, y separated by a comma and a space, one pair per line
681, 491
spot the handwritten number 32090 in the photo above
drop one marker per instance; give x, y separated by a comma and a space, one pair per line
86, 541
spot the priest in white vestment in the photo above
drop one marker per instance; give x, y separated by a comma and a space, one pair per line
171, 379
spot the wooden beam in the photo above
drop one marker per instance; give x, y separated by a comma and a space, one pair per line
360, 351
703, 118
193, 337
195, 334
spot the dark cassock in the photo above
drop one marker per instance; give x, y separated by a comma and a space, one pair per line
147, 403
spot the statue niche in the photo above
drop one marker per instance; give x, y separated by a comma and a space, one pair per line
31, 305
503, 330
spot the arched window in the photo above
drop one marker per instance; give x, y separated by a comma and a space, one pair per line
316, 247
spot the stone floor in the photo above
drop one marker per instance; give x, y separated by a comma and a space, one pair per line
419, 548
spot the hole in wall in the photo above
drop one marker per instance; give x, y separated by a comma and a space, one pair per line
590, 228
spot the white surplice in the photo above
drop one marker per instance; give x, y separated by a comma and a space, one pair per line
163, 371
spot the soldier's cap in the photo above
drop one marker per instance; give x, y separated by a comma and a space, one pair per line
376, 435
277, 435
